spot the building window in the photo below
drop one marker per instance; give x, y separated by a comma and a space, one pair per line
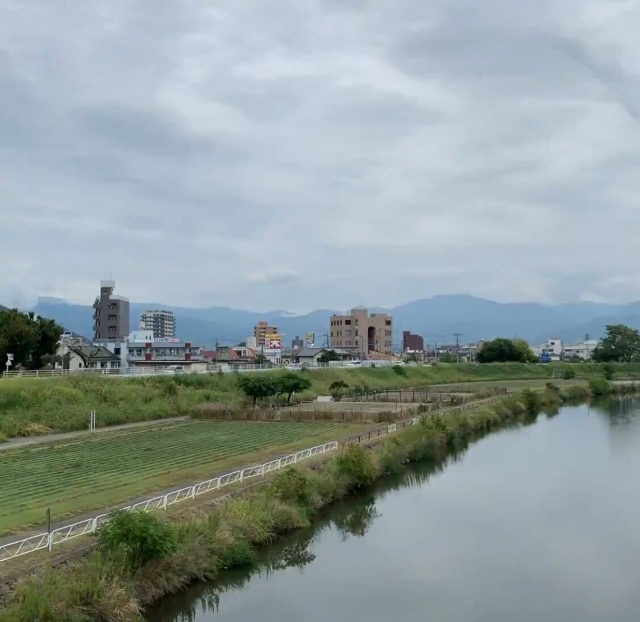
113, 318
388, 322
112, 329
116, 351
347, 322
356, 330
347, 333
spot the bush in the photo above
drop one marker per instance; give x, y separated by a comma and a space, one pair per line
400, 370
293, 486
569, 374
531, 401
137, 537
354, 463
599, 386
608, 370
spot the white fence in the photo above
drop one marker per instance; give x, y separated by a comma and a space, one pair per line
63, 534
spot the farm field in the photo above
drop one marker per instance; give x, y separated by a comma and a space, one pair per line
79, 475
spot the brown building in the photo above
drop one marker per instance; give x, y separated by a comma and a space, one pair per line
260, 330
110, 314
411, 342
361, 333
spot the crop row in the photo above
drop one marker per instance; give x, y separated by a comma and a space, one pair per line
77, 476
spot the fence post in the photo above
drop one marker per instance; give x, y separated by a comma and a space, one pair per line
49, 535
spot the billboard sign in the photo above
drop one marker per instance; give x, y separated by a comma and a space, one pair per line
309, 339
272, 341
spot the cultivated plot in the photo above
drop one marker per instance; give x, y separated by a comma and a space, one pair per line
94, 473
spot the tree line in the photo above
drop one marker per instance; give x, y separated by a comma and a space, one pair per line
33, 340
621, 344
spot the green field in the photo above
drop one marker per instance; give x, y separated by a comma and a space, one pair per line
37, 406
114, 467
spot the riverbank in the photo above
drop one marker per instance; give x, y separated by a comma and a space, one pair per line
116, 586
33, 407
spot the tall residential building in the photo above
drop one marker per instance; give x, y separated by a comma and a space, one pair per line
362, 333
161, 322
260, 331
110, 314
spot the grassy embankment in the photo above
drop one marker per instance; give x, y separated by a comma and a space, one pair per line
110, 587
31, 406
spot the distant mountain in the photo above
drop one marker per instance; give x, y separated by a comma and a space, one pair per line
437, 319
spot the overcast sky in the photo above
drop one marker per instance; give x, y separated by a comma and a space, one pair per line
319, 153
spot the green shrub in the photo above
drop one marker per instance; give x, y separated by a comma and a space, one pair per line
400, 370
608, 370
569, 374
137, 537
531, 401
599, 386
355, 464
293, 486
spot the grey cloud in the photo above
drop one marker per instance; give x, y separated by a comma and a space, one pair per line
318, 153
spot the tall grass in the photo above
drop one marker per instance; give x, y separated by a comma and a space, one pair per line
209, 541
31, 406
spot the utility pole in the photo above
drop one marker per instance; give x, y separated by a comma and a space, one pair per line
586, 343
457, 336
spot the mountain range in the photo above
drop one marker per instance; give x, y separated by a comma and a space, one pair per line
436, 319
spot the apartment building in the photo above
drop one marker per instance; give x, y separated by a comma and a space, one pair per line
110, 314
260, 332
160, 321
361, 333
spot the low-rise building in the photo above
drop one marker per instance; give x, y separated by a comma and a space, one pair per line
87, 356
312, 356
412, 344
143, 349
556, 350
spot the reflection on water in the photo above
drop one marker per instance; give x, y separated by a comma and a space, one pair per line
533, 523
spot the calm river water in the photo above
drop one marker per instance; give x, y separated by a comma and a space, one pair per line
536, 523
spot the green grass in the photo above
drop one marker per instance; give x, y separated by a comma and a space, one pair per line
32, 406
74, 476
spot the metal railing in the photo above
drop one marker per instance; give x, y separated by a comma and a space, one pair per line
47, 541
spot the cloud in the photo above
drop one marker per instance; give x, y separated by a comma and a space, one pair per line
319, 153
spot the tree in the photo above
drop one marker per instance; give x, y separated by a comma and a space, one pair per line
258, 387
337, 388
328, 356
291, 383
505, 351
28, 337
621, 345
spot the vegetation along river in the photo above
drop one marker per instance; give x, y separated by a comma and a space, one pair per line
539, 522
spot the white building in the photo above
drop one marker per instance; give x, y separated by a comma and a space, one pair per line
160, 321
557, 350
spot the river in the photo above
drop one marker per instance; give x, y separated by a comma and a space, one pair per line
540, 522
